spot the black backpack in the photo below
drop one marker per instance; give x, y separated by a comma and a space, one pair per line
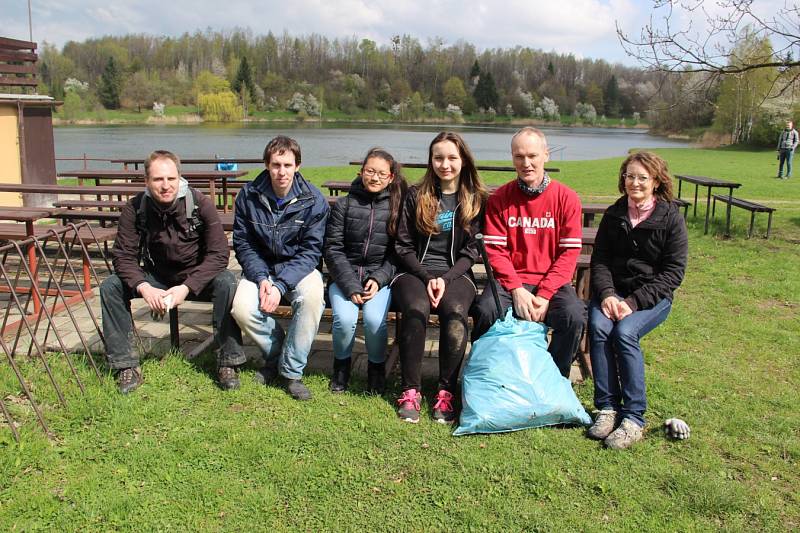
191, 199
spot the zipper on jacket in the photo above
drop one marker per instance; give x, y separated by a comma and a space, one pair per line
369, 237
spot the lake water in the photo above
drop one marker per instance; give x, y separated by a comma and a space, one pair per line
334, 144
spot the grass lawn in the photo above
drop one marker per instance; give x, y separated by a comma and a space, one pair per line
180, 454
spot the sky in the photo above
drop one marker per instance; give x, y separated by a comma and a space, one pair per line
586, 28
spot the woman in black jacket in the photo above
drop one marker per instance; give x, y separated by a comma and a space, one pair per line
638, 261
358, 248
436, 249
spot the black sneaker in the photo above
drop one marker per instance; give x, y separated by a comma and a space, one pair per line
376, 378
297, 389
129, 379
228, 378
265, 375
341, 375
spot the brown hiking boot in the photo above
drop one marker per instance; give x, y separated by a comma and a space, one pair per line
129, 379
228, 378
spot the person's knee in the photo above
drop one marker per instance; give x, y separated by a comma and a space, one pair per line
111, 286
310, 292
373, 322
245, 302
625, 335
571, 315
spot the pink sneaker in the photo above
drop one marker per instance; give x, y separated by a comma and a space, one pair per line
409, 406
443, 410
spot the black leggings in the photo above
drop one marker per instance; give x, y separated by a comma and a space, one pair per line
410, 295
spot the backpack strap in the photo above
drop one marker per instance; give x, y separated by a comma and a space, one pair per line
145, 260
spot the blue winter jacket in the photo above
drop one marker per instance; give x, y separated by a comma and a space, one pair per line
284, 249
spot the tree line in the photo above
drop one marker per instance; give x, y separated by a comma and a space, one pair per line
242, 73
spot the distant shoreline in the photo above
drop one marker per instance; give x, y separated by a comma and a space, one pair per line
193, 119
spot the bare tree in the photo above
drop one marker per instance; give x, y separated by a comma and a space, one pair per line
669, 44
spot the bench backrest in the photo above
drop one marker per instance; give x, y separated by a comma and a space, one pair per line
18, 63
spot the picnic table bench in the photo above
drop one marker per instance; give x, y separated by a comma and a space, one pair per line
753, 207
708, 183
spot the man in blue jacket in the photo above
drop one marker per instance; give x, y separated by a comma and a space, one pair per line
278, 229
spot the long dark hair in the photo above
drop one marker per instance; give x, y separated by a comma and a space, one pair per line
658, 170
471, 191
397, 188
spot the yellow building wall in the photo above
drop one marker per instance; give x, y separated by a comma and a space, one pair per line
10, 164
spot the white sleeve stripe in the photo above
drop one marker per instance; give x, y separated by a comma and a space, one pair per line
570, 245
571, 239
495, 237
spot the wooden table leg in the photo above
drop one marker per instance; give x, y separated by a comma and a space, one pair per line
708, 208
769, 224
728, 213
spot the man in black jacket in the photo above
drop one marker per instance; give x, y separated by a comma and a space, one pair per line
170, 247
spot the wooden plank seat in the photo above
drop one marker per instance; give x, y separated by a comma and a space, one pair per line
394, 316
748, 205
96, 204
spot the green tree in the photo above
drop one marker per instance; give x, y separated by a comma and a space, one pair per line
219, 107
594, 96
243, 83
454, 92
612, 99
110, 85
486, 92
139, 91
209, 83
742, 94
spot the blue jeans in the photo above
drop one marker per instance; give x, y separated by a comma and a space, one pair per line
345, 317
787, 156
288, 352
617, 358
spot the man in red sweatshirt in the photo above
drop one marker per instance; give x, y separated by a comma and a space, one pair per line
533, 239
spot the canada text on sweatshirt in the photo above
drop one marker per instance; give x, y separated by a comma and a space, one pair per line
534, 240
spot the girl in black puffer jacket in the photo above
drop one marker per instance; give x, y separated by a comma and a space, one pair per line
358, 252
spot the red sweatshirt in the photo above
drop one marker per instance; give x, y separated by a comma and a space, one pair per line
533, 240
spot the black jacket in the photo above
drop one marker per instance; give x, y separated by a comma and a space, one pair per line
644, 264
357, 243
180, 254
410, 244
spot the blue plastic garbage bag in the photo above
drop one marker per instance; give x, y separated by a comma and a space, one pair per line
510, 382
227, 166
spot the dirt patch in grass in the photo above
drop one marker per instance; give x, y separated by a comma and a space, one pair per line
772, 304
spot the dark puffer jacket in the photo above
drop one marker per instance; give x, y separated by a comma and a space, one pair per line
644, 264
357, 244
410, 245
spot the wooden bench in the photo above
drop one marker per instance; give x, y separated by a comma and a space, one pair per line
18, 63
393, 316
753, 207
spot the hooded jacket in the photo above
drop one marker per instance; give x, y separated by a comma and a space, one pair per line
357, 244
411, 245
644, 264
283, 247
180, 255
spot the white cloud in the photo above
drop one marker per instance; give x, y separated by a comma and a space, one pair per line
583, 27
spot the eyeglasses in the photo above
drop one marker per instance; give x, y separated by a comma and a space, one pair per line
370, 172
633, 177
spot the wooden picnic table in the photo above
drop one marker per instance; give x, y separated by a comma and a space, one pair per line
708, 183
225, 178
487, 168
194, 161
110, 191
